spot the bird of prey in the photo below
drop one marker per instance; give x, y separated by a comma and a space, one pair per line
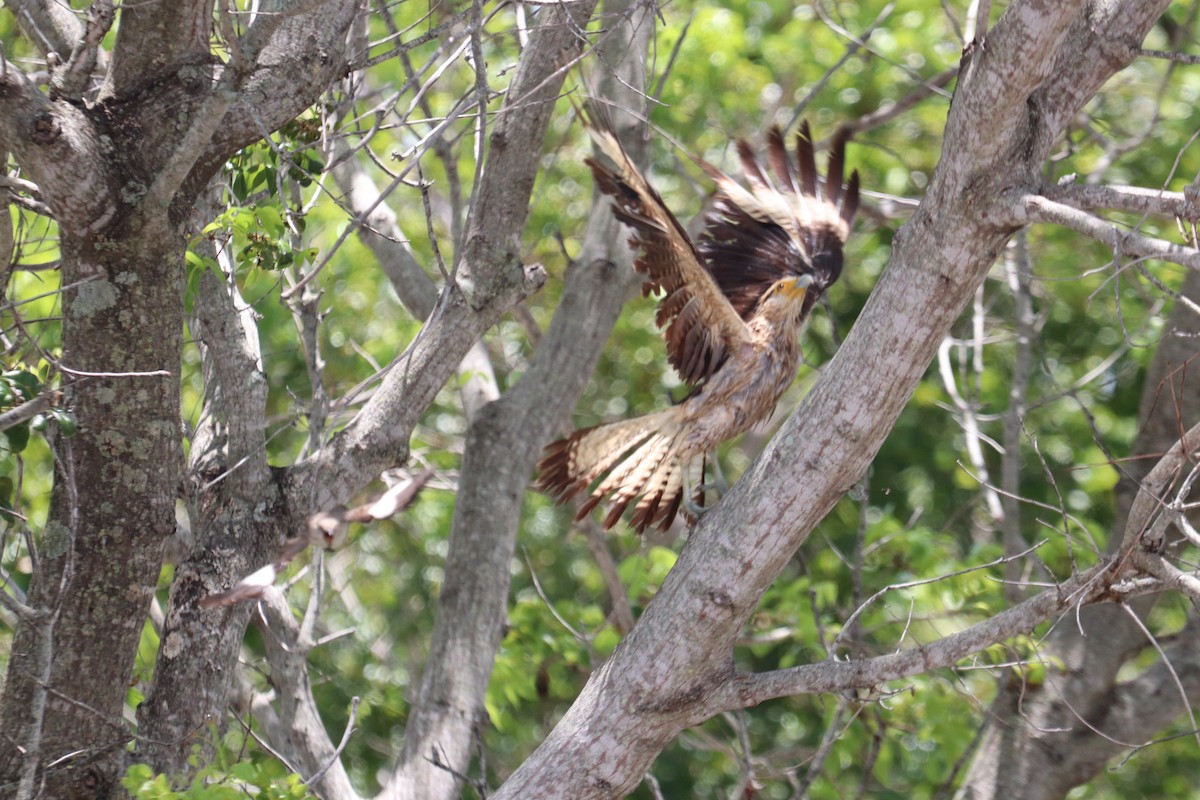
732, 304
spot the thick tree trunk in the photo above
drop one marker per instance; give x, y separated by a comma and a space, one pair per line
119, 175
112, 509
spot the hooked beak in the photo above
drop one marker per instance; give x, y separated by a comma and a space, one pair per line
794, 288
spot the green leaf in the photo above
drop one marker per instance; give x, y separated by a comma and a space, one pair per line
238, 186
67, 424
18, 437
245, 771
26, 382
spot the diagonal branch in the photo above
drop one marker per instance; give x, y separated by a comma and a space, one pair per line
49, 24
654, 684
1031, 208
71, 81
248, 52
831, 675
1131, 199
293, 723
491, 277
381, 232
503, 443
1096, 583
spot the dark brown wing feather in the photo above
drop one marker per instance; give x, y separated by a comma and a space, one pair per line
781, 164
850, 201
745, 256
806, 160
755, 237
701, 326
836, 167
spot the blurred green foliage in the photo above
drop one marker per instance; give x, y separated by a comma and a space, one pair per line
229, 776
739, 67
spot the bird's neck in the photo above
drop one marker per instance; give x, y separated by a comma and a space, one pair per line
778, 319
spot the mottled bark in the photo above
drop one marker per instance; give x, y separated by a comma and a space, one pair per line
111, 511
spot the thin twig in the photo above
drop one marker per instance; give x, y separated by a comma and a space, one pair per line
354, 701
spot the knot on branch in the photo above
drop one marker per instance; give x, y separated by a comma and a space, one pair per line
45, 129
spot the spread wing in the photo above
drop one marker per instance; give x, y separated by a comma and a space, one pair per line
776, 228
702, 328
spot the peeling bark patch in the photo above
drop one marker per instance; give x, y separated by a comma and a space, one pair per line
172, 645
94, 297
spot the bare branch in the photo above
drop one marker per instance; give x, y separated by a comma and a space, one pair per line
889, 111
49, 24
296, 729
1179, 58
1132, 199
381, 232
71, 80
1030, 208
1020, 277
7, 241
491, 277
1152, 500
831, 675
27, 410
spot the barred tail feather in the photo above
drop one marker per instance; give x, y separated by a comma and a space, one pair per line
664, 492
632, 459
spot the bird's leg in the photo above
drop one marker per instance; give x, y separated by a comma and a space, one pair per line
719, 484
693, 500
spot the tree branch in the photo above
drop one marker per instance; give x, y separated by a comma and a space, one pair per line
831, 675
154, 40
1031, 208
491, 277
381, 232
56, 146
307, 45
247, 61
1152, 499
1134, 710
296, 728
1080, 589
71, 80
48, 24
1131, 199
503, 443
1063, 747
234, 508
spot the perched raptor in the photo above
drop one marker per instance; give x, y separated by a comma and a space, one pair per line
732, 304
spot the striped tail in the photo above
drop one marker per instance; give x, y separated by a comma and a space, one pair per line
627, 460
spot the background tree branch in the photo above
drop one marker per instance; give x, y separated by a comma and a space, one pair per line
503, 443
